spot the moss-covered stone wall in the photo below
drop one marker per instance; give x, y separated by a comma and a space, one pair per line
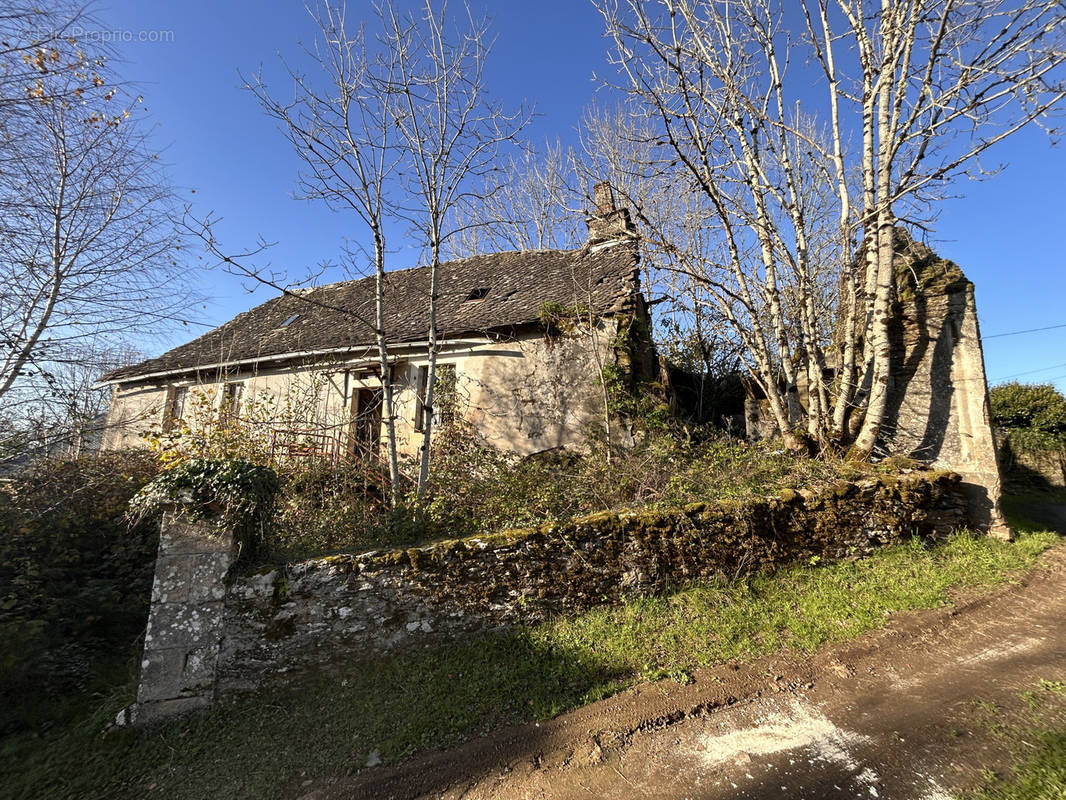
375, 601
1030, 470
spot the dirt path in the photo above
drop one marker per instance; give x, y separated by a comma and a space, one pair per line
889, 715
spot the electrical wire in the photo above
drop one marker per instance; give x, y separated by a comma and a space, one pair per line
1031, 371
1030, 330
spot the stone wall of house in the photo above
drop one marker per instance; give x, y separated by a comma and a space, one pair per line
280, 619
524, 394
133, 411
540, 391
938, 408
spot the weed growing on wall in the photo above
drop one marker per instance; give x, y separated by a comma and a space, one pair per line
557, 318
475, 488
238, 495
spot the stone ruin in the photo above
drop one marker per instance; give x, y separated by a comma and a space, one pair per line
938, 411
938, 408
203, 622
214, 631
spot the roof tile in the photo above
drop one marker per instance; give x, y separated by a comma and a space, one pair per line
340, 315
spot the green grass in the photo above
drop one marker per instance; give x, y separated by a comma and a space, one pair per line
266, 746
1035, 736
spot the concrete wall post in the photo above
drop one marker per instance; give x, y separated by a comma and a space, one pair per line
181, 646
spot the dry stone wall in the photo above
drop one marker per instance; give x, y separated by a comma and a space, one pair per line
211, 631
1028, 471
284, 618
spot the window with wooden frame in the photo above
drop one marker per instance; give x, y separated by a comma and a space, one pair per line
174, 409
444, 396
421, 383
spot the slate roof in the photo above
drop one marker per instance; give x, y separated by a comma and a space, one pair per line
330, 318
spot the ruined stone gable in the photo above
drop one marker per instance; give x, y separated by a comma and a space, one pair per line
938, 406
938, 410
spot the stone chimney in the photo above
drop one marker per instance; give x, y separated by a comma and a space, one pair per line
608, 224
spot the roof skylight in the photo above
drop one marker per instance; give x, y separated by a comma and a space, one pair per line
478, 293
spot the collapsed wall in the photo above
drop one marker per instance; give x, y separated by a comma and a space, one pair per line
938, 411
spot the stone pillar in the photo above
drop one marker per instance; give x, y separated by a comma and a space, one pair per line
975, 458
181, 645
938, 404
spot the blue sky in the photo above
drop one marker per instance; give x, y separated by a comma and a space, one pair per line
227, 157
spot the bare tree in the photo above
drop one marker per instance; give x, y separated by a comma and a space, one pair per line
86, 244
340, 124
37, 43
787, 181
532, 203
398, 128
940, 83
61, 409
451, 133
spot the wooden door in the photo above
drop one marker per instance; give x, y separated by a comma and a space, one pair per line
365, 430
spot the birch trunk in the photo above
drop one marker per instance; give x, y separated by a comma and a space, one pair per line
431, 371
878, 331
388, 401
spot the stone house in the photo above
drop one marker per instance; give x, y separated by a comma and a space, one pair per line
522, 341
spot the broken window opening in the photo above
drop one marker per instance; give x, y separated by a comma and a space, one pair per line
364, 431
175, 407
477, 294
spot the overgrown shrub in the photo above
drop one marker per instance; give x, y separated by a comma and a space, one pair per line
75, 579
261, 427
474, 488
323, 507
1033, 415
238, 495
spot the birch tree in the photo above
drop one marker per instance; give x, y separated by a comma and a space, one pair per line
87, 248
801, 175
340, 124
940, 82
37, 43
450, 132
531, 203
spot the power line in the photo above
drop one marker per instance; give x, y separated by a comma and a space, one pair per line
1031, 371
1030, 330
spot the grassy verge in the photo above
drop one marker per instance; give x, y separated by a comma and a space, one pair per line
1035, 737
267, 746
